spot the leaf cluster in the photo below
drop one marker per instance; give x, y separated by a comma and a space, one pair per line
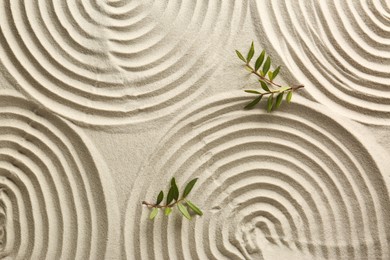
266, 76
173, 199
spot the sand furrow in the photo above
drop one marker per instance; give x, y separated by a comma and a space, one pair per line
338, 49
102, 64
56, 200
299, 182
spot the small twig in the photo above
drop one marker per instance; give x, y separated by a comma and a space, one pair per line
267, 84
152, 205
261, 77
172, 199
293, 88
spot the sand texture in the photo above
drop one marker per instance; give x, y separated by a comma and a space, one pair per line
299, 179
103, 102
57, 201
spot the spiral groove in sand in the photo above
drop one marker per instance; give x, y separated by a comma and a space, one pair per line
338, 49
115, 63
56, 202
299, 182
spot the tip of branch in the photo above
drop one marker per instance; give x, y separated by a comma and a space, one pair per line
298, 87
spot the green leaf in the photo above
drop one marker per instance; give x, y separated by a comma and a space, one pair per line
252, 91
160, 197
289, 96
251, 52
240, 56
270, 75
248, 68
175, 192
173, 182
275, 73
259, 60
184, 210
167, 211
174, 189
264, 86
254, 102
267, 65
153, 214
189, 187
279, 100
270, 103
194, 208
170, 195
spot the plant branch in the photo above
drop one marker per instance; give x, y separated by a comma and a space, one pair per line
263, 78
172, 199
153, 205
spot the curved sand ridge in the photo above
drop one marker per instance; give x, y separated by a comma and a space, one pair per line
338, 49
115, 63
56, 199
299, 182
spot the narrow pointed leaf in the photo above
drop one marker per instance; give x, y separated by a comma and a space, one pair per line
194, 208
279, 100
248, 68
154, 213
253, 103
252, 91
240, 56
250, 53
173, 181
184, 211
270, 103
160, 197
259, 60
270, 75
289, 96
264, 86
189, 187
170, 195
175, 192
167, 211
275, 73
267, 65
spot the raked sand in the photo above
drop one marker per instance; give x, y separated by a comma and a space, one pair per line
103, 102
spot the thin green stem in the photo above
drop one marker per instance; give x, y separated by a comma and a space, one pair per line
292, 88
261, 77
152, 205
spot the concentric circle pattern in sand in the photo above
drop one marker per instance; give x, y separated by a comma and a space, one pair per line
299, 183
56, 202
339, 49
105, 63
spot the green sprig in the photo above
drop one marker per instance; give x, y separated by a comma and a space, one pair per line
266, 78
183, 204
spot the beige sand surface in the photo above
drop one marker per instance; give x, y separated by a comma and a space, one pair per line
103, 102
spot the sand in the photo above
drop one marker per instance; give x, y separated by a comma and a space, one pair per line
103, 102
